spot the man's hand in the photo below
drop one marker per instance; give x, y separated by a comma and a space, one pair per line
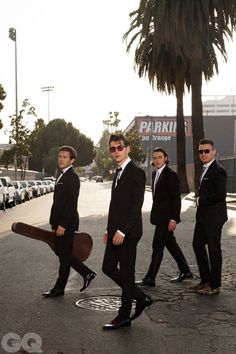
172, 225
105, 237
60, 231
118, 239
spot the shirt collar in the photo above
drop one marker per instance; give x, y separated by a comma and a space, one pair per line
208, 164
66, 169
160, 169
124, 164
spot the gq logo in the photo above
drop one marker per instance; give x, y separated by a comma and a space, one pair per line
30, 342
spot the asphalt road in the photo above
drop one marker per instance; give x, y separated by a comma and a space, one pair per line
177, 322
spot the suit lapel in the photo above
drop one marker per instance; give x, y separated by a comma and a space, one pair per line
162, 175
124, 173
208, 172
114, 181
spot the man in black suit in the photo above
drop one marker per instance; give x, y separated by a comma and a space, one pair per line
124, 230
64, 220
165, 214
210, 218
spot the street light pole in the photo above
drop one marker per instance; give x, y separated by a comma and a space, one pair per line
48, 89
12, 36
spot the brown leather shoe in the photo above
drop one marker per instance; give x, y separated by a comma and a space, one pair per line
199, 286
209, 291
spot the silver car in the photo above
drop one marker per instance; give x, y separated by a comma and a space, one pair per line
20, 192
35, 188
28, 190
3, 196
10, 191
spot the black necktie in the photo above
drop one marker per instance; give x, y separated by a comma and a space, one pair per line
201, 176
118, 170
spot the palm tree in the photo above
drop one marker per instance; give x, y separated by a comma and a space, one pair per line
190, 31
167, 72
202, 27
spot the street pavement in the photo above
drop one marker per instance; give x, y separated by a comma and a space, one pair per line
178, 322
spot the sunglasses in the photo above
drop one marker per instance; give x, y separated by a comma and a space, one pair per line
205, 151
118, 148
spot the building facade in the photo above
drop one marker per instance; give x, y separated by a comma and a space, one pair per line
161, 131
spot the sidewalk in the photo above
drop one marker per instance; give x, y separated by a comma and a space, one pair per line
187, 322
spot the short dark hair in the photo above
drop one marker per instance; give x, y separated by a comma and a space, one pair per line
206, 141
70, 149
159, 149
119, 137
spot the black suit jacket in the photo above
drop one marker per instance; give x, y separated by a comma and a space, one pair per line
125, 211
212, 193
166, 199
64, 209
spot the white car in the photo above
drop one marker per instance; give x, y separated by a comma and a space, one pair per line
20, 192
10, 191
28, 190
3, 196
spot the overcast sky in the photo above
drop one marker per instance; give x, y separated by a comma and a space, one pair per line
76, 46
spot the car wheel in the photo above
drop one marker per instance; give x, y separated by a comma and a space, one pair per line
3, 206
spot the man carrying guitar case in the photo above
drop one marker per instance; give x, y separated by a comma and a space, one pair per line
64, 220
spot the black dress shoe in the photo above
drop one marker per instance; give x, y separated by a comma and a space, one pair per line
181, 277
87, 280
53, 293
140, 306
115, 324
146, 282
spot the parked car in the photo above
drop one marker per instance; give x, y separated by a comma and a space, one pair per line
53, 179
48, 190
3, 196
51, 185
42, 187
20, 192
10, 191
99, 179
35, 188
28, 190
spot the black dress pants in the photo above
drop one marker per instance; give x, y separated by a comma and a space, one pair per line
63, 249
125, 256
209, 267
163, 238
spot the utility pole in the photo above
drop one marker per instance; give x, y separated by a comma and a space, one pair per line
12, 36
48, 89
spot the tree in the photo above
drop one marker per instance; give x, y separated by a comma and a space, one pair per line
2, 98
7, 157
102, 159
136, 151
155, 57
45, 140
190, 31
36, 144
19, 136
111, 124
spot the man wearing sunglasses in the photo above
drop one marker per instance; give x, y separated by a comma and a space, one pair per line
124, 230
210, 218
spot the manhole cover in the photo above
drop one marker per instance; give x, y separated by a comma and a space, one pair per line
101, 303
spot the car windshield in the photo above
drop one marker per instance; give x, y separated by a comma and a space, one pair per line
4, 182
15, 185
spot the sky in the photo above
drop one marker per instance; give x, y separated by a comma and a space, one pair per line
76, 46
